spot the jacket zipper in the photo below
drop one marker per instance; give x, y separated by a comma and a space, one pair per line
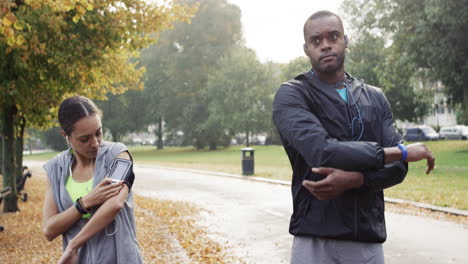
355, 216
349, 113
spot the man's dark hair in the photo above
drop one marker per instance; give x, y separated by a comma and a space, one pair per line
73, 109
321, 14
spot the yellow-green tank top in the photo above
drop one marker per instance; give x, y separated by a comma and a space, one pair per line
79, 189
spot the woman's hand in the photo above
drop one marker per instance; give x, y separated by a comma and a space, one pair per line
101, 193
70, 256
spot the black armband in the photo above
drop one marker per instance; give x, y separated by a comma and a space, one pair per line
129, 180
122, 170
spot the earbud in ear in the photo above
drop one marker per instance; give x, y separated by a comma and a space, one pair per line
345, 40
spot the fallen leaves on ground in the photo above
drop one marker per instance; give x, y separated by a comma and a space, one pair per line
413, 210
167, 232
173, 225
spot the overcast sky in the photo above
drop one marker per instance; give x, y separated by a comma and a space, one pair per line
273, 28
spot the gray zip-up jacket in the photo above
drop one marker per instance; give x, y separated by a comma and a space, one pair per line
317, 130
117, 242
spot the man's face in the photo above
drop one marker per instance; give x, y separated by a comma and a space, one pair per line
324, 44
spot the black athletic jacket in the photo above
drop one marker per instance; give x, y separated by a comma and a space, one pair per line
315, 125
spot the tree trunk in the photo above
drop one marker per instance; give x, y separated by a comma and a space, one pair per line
19, 147
247, 138
159, 134
10, 202
1, 153
465, 99
30, 146
213, 145
115, 137
199, 142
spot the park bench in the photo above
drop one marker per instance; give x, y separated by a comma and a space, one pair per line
20, 183
4, 193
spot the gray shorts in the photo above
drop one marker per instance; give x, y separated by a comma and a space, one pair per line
309, 250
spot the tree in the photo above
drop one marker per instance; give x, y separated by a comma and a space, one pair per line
177, 70
368, 59
159, 82
399, 83
213, 31
1, 144
295, 67
53, 139
461, 116
274, 71
239, 97
431, 34
366, 55
123, 113
50, 49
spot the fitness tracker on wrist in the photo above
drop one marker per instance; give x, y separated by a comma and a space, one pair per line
80, 207
404, 152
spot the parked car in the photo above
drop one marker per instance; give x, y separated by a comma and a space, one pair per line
421, 133
454, 132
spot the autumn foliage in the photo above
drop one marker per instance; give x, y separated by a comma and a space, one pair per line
52, 49
49, 48
167, 232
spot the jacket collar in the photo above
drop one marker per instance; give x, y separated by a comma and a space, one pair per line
66, 156
355, 85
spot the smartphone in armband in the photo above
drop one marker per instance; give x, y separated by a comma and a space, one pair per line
121, 169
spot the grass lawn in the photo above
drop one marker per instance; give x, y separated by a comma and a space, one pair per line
447, 185
270, 161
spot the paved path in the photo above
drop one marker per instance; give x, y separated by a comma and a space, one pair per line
252, 218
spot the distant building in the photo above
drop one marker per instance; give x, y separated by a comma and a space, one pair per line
441, 114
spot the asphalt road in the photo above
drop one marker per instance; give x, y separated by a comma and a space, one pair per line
252, 219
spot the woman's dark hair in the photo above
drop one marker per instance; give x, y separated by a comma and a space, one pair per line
73, 109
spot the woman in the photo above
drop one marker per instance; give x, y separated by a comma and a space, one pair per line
94, 216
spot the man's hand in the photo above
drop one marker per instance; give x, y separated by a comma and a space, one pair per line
419, 151
335, 183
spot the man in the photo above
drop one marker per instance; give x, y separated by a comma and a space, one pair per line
343, 147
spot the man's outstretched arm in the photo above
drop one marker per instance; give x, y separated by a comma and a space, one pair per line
298, 125
337, 181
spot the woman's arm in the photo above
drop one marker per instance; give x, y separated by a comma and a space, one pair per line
103, 216
56, 223
53, 222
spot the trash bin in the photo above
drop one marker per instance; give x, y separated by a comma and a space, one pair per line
247, 161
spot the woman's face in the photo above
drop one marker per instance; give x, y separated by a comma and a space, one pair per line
87, 136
